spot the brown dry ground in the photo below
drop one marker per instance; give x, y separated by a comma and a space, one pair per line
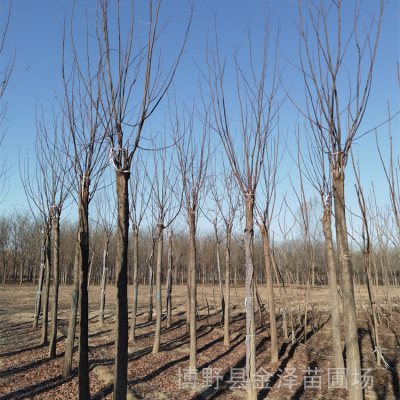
27, 373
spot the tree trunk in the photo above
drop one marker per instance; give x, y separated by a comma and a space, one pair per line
45, 316
56, 257
69, 343
188, 301
249, 304
121, 339
83, 372
157, 334
372, 302
151, 272
271, 297
337, 347
175, 272
169, 281
40, 283
135, 281
227, 286
21, 273
346, 279
221, 292
103, 282
192, 289
90, 270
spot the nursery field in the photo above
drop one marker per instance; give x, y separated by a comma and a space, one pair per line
26, 372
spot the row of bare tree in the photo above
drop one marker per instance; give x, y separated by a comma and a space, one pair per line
112, 91
20, 256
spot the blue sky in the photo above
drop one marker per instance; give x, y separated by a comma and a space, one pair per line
36, 34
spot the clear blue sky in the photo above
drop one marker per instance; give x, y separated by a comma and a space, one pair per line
36, 34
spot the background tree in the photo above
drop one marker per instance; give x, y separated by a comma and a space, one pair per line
193, 158
106, 215
58, 188
255, 96
133, 63
164, 184
316, 171
266, 206
140, 198
44, 190
228, 210
86, 130
322, 80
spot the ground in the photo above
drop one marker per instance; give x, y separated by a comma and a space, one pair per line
27, 373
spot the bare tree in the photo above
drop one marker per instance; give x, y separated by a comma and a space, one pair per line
322, 81
127, 128
228, 210
87, 129
272, 160
256, 120
58, 186
46, 192
139, 202
164, 184
106, 214
366, 248
213, 216
316, 170
193, 158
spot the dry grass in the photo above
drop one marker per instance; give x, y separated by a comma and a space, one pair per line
27, 373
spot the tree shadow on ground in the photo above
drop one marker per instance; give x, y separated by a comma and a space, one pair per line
242, 364
39, 388
20, 351
35, 364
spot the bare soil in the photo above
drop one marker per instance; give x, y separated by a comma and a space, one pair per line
27, 373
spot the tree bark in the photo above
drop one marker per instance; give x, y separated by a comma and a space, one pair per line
40, 282
135, 282
221, 292
346, 279
169, 282
103, 282
90, 270
151, 273
69, 343
271, 297
157, 334
56, 257
227, 287
249, 304
83, 372
330, 256
192, 290
121, 339
187, 300
372, 302
45, 317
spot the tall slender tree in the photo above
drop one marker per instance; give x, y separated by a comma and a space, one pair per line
106, 216
128, 104
86, 129
324, 89
46, 191
258, 109
164, 183
140, 198
266, 206
193, 158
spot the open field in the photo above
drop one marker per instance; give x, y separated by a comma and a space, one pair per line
27, 373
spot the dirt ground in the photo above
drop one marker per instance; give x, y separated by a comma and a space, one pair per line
27, 373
